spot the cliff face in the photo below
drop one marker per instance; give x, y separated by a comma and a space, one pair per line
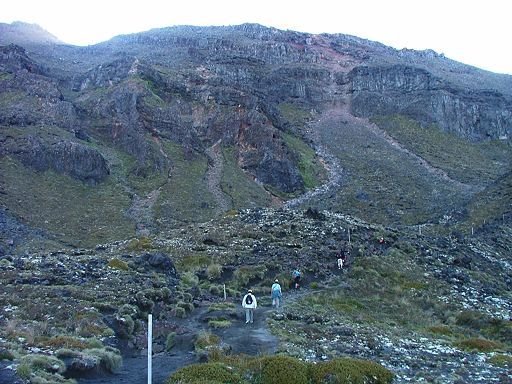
414, 92
283, 113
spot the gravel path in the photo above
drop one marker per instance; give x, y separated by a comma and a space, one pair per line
250, 339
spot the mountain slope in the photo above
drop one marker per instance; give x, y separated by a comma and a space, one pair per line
278, 107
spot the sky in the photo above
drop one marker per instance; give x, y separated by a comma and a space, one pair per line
475, 32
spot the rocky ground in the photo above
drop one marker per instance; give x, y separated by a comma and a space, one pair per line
430, 309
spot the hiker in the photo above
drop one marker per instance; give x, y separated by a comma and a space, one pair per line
276, 294
249, 303
296, 279
340, 260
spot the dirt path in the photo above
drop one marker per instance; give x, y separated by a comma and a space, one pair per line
214, 176
250, 339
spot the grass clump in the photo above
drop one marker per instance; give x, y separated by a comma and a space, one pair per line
64, 341
170, 341
479, 344
283, 370
140, 244
219, 323
501, 360
42, 369
441, 330
225, 306
192, 263
118, 264
214, 373
214, 271
206, 340
6, 355
109, 358
244, 274
489, 327
354, 371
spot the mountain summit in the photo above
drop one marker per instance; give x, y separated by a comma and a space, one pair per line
25, 33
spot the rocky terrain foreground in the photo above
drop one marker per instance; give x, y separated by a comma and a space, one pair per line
429, 309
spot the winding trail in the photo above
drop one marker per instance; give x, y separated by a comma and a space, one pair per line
336, 115
214, 176
240, 338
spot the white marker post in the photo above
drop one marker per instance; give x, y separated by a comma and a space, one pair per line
150, 346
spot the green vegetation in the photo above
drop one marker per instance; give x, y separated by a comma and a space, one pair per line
118, 264
185, 197
215, 373
296, 115
244, 192
219, 323
139, 244
244, 274
280, 369
480, 345
501, 360
42, 369
206, 340
467, 162
385, 293
214, 271
88, 215
489, 205
192, 262
351, 371
311, 170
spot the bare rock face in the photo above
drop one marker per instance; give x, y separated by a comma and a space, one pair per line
415, 92
66, 157
29, 96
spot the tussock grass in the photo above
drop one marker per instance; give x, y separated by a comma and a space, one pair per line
280, 369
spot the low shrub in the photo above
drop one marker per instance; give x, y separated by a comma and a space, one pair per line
500, 360
110, 358
219, 323
6, 355
170, 341
354, 371
140, 244
206, 339
443, 330
215, 290
224, 306
189, 279
244, 274
213, 373
64, 341
118, 264
283, 370
280, 369
479, 344
188, 307
180, 312
213, 271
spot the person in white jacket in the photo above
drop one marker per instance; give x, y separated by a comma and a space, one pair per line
250, 304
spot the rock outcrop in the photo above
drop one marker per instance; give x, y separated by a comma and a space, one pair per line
415, 92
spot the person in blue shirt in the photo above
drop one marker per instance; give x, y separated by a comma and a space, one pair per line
276, 294
296, 278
